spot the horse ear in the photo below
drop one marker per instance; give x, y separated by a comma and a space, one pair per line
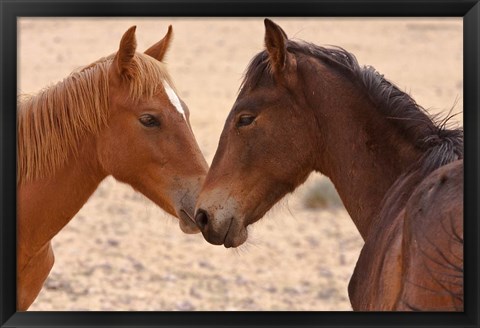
124, 56
159, 49
276, 44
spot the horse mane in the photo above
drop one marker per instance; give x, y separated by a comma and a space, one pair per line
52, 123
427, 132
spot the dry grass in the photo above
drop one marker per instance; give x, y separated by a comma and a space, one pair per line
322, 195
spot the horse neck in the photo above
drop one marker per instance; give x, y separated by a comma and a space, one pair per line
46, 205
360, 151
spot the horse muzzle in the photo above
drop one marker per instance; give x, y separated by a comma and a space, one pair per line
187, 222
227, 232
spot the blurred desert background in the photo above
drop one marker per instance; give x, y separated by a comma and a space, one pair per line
121, 252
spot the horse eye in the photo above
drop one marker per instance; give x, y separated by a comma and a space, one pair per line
149, 121
245, 120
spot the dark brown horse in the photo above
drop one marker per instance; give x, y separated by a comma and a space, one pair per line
304, 108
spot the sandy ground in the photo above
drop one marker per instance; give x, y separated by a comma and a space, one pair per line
120, 252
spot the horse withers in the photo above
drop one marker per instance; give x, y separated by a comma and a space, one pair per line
304, 108
119, 116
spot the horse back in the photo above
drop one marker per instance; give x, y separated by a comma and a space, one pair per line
432, 249
413, 258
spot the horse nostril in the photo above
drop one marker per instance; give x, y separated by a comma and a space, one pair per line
202, 219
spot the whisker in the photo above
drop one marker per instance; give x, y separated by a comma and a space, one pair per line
188, 216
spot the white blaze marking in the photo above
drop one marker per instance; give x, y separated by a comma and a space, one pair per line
174, 99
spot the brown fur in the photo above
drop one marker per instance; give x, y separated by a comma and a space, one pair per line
320, 111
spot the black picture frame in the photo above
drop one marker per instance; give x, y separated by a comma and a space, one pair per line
10, 10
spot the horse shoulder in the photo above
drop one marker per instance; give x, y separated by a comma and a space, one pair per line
433, 243
376, 280
32, 275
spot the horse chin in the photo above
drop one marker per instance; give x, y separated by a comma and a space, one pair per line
235, 239
187, 225
231, 238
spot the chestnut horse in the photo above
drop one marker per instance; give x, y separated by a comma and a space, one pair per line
304, 108
119, 116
